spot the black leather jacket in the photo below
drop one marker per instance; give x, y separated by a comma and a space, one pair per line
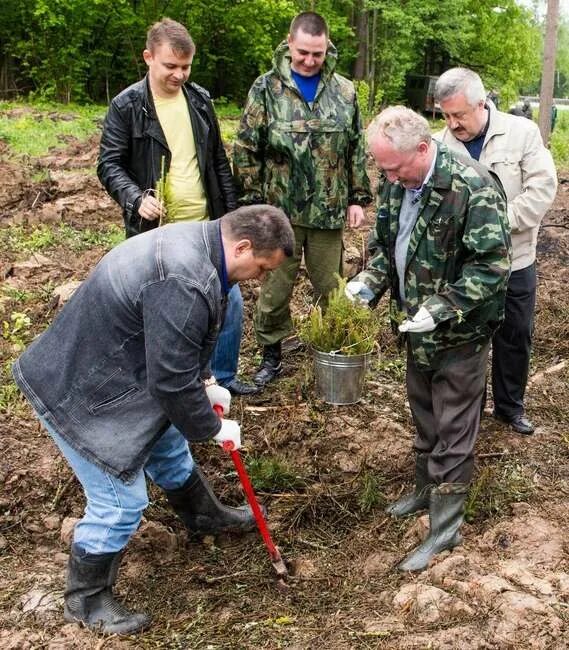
133, 143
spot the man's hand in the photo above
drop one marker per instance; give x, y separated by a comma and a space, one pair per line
150, 208
357, 291
219, 395
230, 430
421, 322
356, 217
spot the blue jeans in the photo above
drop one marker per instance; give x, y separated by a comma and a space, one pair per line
226, 352
114, 509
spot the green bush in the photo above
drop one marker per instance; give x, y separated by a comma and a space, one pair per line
345, 327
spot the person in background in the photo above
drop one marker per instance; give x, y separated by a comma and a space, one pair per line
165, 125
513, 149
300, 146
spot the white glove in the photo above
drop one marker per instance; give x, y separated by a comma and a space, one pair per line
219, 395
422, 322
230, 430
357, 291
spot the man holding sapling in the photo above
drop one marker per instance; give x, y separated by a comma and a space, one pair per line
441, 245
119, 381
300, 147
162, 160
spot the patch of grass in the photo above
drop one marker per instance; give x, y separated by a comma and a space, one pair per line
371, 494
32, 129
12, 401
15, 294
271, 474
19, 239
16, 330
394, 367
559, 142
496, 487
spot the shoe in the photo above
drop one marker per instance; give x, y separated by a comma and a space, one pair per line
519, 423
239, 388
446, 514
203, 513
271, 366
417, 500
89, 595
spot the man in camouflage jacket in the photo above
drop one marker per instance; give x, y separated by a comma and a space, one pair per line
442, 245
300, 147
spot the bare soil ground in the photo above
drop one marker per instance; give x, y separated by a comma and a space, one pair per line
333, 470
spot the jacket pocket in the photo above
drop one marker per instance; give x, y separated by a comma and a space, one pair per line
114, 400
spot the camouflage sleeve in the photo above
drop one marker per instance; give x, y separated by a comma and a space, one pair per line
486, 261
376, 274
248, 150
359, 192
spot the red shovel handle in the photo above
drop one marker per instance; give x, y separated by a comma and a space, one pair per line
251, 498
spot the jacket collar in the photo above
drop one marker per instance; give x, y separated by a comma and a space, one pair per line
440, 181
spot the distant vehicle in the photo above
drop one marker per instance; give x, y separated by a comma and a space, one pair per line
420, 93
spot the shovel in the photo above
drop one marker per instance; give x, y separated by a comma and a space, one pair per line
274, 553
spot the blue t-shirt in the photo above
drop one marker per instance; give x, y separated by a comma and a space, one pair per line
475, 145
306, 85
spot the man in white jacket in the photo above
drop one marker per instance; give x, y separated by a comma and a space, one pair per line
512, 147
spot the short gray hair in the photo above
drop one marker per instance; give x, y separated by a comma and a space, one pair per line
266, 227
460, 80
404, 128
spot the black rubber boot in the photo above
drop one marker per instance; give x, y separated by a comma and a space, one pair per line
271, 366
446, 514
89, 595
419, 499
201, 511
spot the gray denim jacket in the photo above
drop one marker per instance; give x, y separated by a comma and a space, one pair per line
126, 354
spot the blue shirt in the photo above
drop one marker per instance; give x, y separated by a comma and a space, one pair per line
474, 146
306, 85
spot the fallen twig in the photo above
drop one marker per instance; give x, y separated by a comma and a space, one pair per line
539, 376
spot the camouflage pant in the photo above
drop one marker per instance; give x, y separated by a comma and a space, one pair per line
323, 257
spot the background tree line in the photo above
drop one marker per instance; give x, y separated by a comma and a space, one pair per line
88, 50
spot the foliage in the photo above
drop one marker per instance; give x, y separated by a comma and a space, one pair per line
345, 327
272, 474
496, 487
559, 142
17, 330
79, 50
42, 237
371, 493
33, 129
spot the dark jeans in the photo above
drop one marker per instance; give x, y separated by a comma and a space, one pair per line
445, 405
511, 345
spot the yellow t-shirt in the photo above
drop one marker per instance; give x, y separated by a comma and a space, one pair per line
185, 195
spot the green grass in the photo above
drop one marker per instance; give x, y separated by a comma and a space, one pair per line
496, 487
271, 474
18, 239
33, 128
560, 140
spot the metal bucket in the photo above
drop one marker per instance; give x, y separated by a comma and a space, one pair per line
340, 378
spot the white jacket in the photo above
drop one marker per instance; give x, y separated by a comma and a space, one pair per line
514, 150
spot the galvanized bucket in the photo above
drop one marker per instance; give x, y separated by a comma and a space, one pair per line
340, 378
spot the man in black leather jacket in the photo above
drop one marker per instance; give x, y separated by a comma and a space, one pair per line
145, 132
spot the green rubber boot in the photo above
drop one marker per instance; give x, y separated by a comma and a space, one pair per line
417, 500
446, 514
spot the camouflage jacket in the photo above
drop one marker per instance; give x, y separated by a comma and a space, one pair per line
458, 261
309, 161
